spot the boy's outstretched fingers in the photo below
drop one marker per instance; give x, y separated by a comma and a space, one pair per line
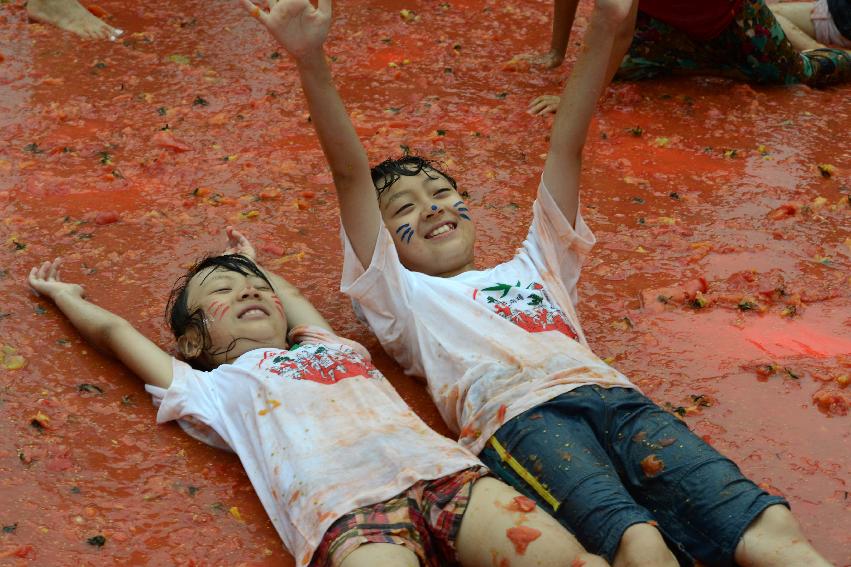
544, 104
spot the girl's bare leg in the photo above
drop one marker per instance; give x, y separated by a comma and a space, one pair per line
497, 529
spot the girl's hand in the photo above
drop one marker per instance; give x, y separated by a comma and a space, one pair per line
45, 280
543, 104
296, 24
239, 244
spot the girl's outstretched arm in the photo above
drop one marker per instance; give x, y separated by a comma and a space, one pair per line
583, 89
299, 310
101, 328
301, 29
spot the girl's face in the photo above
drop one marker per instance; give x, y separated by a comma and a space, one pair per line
242, 313
430, 224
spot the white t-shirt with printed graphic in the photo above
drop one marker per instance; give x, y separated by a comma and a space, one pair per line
318, 429
491, 344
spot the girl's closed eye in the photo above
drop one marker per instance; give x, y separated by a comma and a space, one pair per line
403, 208
442, 192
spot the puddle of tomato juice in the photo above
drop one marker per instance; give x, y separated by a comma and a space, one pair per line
130, 158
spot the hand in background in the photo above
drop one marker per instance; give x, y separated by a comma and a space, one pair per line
296, 24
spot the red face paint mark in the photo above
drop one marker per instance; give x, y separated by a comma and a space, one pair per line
577, 563
521, 504
215, 308
521, 537
279, 306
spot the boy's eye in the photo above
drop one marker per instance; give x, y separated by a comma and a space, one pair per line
403, 208
441, 192
222, 289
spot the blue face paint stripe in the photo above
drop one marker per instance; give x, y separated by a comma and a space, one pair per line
463, 209
463, 216
401, 227
410, 234
458, 203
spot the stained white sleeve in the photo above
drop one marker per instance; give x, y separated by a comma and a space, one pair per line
554, 245
192, 400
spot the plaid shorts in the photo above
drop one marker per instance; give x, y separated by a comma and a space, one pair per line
425, 518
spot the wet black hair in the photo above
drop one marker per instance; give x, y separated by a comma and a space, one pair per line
178, 311
388, 172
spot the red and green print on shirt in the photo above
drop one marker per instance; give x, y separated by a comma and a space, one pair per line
527, 306
317, 363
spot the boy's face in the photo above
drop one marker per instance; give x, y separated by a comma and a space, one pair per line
430, 224
242, 312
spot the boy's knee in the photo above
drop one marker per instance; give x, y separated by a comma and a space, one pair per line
774, 520
643, 545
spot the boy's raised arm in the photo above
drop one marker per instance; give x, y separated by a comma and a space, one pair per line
579, 99
103, 329
301, 29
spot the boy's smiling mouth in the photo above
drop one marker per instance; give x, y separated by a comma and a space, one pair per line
253, 312
443, 228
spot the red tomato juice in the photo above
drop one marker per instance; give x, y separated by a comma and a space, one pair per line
130, 158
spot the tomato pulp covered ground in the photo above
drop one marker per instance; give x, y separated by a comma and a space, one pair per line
720, 283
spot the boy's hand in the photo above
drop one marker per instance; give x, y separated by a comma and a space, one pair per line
543, 104
45, 280
296, 24
239, 244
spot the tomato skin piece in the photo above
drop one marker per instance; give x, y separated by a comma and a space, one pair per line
521, 504
165, 139
106, 217
652, 465
272, 249
784, 211
521, 537
96, 10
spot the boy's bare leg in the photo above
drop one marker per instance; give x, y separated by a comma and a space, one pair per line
775, 539
495, 526
381, 555
70, 15
641, 545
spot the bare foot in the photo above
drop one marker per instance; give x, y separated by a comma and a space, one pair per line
72, 16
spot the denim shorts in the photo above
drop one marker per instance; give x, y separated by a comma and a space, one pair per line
603, 459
